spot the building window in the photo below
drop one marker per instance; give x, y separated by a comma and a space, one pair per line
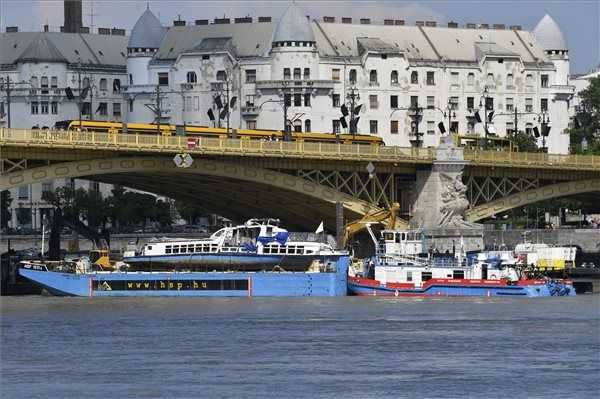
454, 127
373, 77
163, 78
430, 78
373, 127
298, 126
54, 82
2, 110
221, 76
130, 79
414, 101
307, 99
297, 73
470, 127
102, 109
430, 102
287, 74
414, 77
307, 126
35, 108
86, 108
470, 103
529, 105
336, 126
510, 127
529, 79
44, 108
307, 75
335, 74
336, 100
544, 104
544, 80
117, 86
510, 81
393, 102
23, 192
297, 100
117, 110
287, 99
250, 75
44, 85
430, 127
470, 79
490, 79
131, 105
250, 100
453, 103
510, 104
529, 129
191, 77
352, 76
47, 187
394, 127
454, 78
251, 125
394, 77
373, 103
103, 84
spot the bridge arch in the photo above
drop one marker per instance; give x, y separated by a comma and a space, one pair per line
223, 184
531, 196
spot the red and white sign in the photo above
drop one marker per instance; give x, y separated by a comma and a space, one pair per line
192, 142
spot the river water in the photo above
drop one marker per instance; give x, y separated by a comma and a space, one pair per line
300, 348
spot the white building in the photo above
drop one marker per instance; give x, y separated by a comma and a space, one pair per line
315, 65
37, 70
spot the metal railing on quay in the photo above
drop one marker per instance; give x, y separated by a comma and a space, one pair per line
317, 150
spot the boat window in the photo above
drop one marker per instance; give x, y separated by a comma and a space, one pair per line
199, 248
213, 248
458, 274
309, 252
425, 276
388, 236
149, 247
300, 250
409, 276
205, 248
168, 249
175, 249
267, 250
269, 229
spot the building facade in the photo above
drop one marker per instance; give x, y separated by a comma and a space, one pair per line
47, 77
406, 79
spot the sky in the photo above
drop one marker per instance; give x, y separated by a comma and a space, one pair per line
579, 20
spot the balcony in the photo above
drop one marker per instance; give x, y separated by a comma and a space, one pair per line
249, 110
296, 84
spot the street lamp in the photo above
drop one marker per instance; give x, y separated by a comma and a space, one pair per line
544, 120
353, 96
416, 115
485, 96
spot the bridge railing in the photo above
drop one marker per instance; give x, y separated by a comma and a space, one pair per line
221, 146
244, 147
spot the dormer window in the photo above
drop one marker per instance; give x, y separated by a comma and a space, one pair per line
191, 77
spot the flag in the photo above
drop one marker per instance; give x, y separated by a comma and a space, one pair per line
320, 229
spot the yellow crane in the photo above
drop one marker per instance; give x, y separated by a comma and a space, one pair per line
387, 217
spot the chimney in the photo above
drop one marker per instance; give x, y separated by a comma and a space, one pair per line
346, 20
72, 13
452, 24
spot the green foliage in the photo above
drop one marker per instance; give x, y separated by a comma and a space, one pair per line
5, 201
525, 142
189, 212
587, 120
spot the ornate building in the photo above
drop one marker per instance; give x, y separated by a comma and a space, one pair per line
408, 79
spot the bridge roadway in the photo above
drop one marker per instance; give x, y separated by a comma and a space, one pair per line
241, 178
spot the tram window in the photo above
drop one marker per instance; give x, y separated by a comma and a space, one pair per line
460, 274
425, 276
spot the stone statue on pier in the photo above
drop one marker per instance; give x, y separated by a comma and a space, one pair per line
453, 202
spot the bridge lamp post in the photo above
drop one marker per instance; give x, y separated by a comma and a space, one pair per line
449, 113
544, 120
483, 103
353, 96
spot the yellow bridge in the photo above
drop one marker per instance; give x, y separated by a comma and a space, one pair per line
239, 177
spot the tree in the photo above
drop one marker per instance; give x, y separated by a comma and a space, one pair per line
525, 142
5, 201
189, 212
587, 120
